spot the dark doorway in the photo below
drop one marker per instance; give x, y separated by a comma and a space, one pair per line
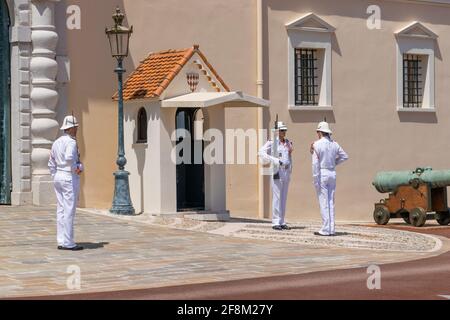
5, 109
191, 176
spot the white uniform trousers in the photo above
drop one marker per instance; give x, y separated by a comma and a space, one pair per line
325, 193
279, 197
67, 190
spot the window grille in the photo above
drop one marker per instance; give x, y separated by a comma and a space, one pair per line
306, 87
412, 81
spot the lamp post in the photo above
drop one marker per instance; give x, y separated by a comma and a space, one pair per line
119, 37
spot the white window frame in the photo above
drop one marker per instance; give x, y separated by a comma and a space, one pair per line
418, 40
310, 32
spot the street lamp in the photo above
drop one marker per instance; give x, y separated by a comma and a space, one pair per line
119, 38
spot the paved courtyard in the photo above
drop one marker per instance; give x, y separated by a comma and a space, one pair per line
148, 252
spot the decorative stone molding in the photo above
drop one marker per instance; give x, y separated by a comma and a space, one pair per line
417, 39
205, 72
311, 31
416, 30
20, 101
44, 97
310, 22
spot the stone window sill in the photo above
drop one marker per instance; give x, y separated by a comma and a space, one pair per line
140, 144
401, 109
310, 108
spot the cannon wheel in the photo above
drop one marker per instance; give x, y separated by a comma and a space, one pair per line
418, 217
443, 218
381, 215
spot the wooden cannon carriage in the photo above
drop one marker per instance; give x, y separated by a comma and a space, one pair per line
413, 194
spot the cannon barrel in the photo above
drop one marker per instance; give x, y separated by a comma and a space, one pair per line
389, 181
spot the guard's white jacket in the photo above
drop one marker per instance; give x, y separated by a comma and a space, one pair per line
283, 154
63, 162
326, 156
64, 156
283, 165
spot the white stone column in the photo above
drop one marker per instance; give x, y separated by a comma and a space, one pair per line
44, 97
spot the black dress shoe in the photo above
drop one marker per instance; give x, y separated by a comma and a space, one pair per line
285, 227
277, 228
76, 248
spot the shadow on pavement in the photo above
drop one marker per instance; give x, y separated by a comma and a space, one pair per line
297, 228
91, 245
337, 234
247, 220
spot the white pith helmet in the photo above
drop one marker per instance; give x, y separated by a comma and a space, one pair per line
324, 127
69, 122
281, 125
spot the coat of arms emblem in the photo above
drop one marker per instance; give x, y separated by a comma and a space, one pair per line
193, 80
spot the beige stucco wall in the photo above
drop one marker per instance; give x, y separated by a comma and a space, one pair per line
242, 179
364, 115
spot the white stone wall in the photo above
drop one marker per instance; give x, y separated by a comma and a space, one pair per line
33, 99
44, 97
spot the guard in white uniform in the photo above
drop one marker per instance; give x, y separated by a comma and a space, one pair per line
282, 163
65, 168
326, 155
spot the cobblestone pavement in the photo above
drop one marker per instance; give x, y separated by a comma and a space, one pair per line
148, 252
348, 235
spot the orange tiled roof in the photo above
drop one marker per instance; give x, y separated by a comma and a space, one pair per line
157, 71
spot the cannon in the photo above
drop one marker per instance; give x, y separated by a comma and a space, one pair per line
412, 195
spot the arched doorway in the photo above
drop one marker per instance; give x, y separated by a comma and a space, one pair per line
5, 109
191, 176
